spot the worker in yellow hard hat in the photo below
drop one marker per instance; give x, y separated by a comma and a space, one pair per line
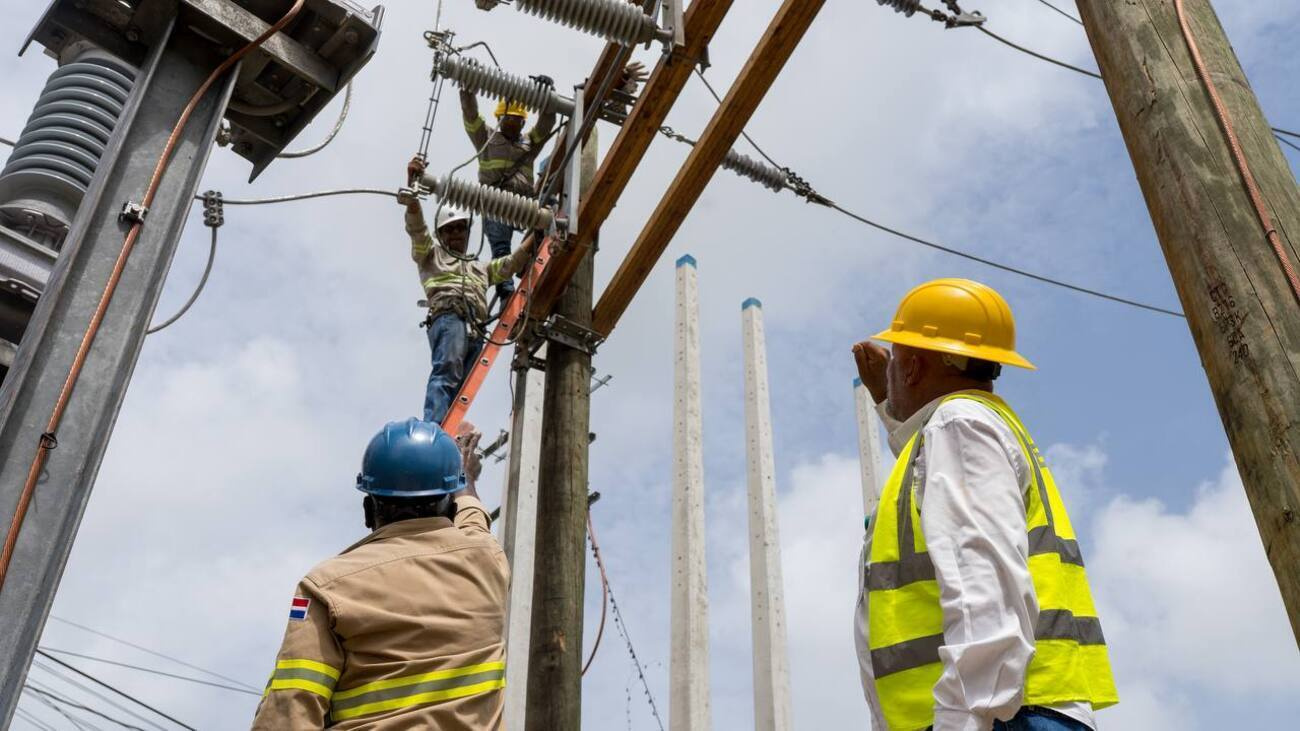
974, 610
505, 159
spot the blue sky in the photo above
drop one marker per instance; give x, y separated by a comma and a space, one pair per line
230, 471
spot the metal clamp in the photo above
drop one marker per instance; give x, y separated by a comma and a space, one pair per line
214, 211
133, 212
570, 334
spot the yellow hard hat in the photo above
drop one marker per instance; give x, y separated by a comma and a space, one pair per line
514, 109
960, 317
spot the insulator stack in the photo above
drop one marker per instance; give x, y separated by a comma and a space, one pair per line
500, 84
56, 156
760, 172
614, 20
493, 203
906, 7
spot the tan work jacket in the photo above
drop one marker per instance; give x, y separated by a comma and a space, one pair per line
403, 630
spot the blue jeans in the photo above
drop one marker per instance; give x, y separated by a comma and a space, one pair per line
453, 353
1039, 719
499, 236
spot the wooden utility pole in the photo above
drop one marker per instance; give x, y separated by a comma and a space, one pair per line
1242, 311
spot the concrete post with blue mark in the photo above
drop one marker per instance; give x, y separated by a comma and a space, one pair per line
870, 453
689, 660
771, 662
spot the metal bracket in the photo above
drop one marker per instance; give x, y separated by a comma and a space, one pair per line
214, 211
570, 334
674, 20
573, 176
133, 212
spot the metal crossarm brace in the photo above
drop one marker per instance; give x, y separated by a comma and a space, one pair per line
783, 34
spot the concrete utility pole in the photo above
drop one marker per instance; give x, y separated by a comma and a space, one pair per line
1241, 309
771, 667
868, 446
689, 665
518, 532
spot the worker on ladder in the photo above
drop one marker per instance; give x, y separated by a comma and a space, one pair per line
455, 288
505, 160
974, 610
405, 629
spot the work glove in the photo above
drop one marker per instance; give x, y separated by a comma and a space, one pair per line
467, 439
414, 170
408, 198
544, 80
634, 75
872, 361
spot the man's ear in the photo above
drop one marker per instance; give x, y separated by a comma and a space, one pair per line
913, 367
368, 508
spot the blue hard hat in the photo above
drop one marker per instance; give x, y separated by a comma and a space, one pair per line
411, 458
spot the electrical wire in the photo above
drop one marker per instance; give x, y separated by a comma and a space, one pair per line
1287, 142
155, 653
604, 594
7, 141
338, 126
304, 196
73, 704
66, 678
152, 671
57, 709
1062, 12
31, 718
1035, 54
1238, 156
1288, 133
619, 624
1005, 267
48, 439
203, 281
102, 684
713, 92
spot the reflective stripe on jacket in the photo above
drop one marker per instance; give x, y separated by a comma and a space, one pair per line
505, 164
1070, 662
453, 284
403, 630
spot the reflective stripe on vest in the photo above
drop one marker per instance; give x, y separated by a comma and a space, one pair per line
1070, 663
418, 690
309, 675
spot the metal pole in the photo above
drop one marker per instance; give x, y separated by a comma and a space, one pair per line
176, 67
689, 664
771, 666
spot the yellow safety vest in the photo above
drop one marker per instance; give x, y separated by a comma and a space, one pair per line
1070, 661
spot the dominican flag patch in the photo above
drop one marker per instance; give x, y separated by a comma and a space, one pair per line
298, 610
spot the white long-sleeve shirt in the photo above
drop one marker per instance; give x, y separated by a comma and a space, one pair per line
971, 484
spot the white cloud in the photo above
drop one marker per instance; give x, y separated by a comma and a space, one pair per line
1189, 602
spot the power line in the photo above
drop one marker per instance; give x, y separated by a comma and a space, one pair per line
620, 625
1288, 133
66, 678
7, 141
31, 718
304, 196
153, 671
155, 653
1287, 142
57, 709
73, 704
1005, 267
338, 126
122, 693
203, 281
1062, 12
1035, 54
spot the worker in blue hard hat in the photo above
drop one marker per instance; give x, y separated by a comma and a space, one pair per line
455, 288
404, 629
